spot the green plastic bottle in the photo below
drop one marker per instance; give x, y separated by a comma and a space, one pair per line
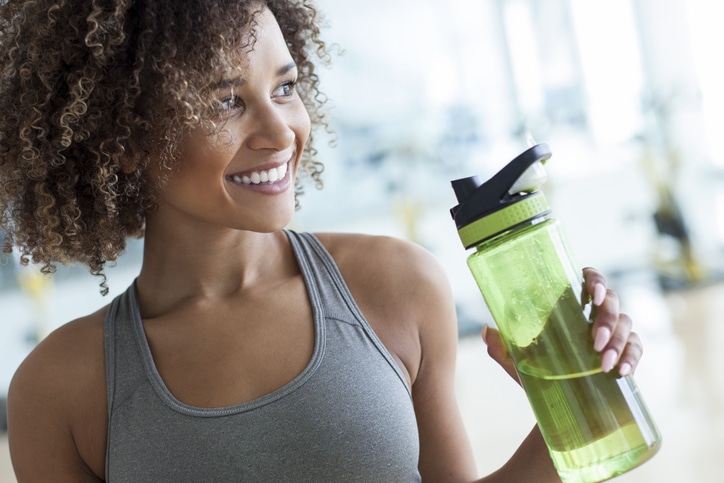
595, 424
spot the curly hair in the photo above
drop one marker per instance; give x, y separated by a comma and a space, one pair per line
91, 90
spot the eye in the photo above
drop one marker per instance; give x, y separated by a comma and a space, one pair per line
231, 103
287, 89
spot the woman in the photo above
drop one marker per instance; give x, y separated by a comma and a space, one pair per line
242, 352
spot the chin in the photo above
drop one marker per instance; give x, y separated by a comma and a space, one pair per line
271, 222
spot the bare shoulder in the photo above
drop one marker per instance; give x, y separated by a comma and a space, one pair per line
57, 404
66, 353
384, 262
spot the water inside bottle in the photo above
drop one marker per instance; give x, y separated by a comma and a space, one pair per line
595, 424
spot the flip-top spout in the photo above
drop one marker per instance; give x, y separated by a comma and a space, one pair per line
510, 197
518, 179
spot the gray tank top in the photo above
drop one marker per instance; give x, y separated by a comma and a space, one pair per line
347, 417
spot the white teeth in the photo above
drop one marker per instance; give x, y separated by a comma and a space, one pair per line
259, 177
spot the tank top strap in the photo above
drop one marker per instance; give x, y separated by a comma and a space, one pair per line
124, 364
323, 278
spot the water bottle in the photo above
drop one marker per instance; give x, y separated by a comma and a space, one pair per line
595, 424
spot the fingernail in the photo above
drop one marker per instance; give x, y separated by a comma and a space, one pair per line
599, 294
485, 334
608, 360
625, 369
603, 335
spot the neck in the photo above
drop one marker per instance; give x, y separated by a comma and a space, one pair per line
180, 266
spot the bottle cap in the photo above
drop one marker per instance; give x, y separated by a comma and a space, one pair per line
509, 198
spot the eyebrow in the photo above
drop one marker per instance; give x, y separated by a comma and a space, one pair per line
239, 81
283, 70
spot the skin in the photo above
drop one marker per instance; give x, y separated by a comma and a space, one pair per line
214, 249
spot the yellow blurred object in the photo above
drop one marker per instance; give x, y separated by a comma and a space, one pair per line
38, 287
409, 211
683, 265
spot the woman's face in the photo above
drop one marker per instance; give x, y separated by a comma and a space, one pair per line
243, 176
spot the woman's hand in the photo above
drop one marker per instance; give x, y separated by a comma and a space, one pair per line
497, 350
612, 334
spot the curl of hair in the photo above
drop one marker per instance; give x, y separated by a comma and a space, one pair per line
90, 90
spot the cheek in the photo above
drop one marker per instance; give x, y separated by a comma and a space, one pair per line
224, 142
208, 155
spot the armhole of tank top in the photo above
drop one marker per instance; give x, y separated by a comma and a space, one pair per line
109, 327
343, 291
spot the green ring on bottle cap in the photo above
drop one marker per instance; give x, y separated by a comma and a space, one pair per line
503, 219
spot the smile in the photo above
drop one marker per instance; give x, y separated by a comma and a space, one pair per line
266, 176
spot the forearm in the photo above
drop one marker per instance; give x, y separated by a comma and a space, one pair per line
530, 463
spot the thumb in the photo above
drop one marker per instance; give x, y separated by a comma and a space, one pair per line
498, 352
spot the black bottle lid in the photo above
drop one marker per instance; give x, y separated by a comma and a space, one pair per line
478, 200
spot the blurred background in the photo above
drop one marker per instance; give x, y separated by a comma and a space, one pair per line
627, 94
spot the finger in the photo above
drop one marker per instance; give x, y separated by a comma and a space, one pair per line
498, 352
595, 285
616, 345
605, 321
631, 356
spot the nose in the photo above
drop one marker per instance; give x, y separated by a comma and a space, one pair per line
271, 127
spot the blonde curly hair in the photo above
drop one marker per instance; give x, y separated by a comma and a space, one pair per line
90, 90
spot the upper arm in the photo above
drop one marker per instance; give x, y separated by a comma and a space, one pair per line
445, 451
44, 408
